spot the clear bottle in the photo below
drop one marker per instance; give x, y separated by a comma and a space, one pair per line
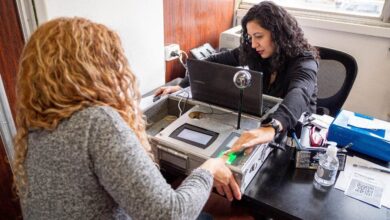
328, 166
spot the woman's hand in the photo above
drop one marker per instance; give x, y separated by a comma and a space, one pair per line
165, 90
223, 178
251, 138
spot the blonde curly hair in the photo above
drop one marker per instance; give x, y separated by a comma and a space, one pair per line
67, 65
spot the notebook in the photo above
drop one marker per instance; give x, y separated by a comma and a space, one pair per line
213, 83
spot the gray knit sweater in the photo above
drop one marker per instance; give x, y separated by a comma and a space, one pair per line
92, 166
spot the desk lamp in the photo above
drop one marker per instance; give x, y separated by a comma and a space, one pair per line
242, 79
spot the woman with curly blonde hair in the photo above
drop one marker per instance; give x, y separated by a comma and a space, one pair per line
81, 150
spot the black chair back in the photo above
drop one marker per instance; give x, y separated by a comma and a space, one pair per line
336, 75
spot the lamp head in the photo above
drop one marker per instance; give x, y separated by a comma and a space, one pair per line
242, 79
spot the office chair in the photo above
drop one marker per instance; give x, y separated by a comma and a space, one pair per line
336, 75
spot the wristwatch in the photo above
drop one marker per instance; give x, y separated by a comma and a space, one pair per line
271, 122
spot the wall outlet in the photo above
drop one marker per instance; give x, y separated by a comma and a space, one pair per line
172, 52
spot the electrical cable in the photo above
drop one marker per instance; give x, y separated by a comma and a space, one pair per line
184, 64
181, 52
185, 103
178, 106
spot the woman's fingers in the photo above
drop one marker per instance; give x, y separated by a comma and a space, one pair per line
231, 189
235, 188
166, 91
228, 192
219, 189
159, 91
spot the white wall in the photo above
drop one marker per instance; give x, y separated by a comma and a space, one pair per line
139, 24
370, 93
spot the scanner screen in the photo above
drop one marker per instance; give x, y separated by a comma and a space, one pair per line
195, 136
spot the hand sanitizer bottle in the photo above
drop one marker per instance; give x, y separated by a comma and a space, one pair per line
328, 166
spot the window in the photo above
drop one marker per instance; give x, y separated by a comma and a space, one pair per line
379, 9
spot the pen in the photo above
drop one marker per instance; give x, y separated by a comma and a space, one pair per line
372, 168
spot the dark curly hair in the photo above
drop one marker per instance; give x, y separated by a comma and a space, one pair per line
286, 34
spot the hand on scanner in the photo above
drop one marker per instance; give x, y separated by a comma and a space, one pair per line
251, 138
165, 90
224, 181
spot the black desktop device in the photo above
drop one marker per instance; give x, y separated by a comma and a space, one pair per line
213, 83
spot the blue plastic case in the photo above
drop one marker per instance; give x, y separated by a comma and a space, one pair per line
373, 142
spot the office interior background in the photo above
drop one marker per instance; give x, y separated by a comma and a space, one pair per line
360, 28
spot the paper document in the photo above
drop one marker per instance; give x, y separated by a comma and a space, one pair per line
360, 184
365, 188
